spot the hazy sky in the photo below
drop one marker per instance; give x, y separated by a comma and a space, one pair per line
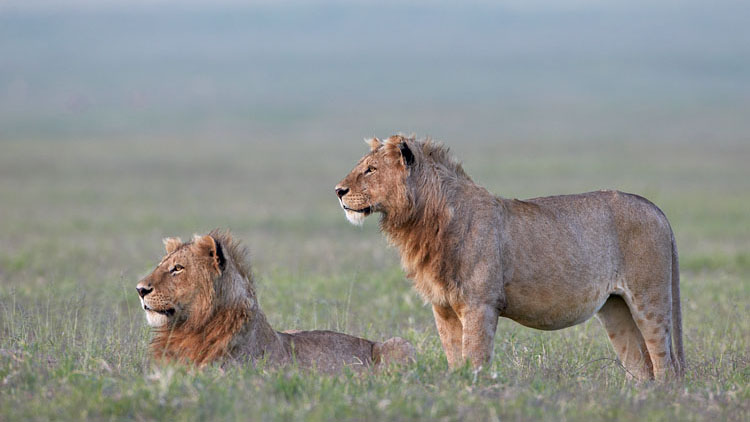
519, 5
148, 63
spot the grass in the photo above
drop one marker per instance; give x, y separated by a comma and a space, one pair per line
82, 221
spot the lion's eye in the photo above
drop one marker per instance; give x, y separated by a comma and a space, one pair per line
176, 268
370, 169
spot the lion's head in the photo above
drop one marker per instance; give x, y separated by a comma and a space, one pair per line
198, 297
379, 181
192, 281
400, 178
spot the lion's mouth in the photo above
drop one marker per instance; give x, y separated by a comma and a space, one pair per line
365, 210
166, 312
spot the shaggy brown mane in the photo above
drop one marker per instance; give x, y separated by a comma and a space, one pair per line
424, 229
236, 251
199, 347
439, 155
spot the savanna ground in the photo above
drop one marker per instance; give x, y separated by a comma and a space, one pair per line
83, 220
122, 127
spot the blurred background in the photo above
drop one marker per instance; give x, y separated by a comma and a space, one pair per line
122, 122
246, 114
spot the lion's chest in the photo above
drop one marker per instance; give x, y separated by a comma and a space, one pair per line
432, 287
427, 264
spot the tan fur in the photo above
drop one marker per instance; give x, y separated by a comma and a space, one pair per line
201, 301
547, 263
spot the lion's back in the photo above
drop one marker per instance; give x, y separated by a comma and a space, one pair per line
328, 351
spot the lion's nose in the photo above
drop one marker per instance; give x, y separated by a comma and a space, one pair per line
341, 191
143, 291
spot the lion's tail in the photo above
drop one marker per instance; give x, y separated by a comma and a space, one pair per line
678, 353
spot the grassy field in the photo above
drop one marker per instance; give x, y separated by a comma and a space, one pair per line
124, 122
82, 220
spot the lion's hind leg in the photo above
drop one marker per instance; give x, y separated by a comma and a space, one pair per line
655, 323
394, 351
626, 338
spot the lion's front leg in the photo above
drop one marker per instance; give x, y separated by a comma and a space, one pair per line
451, 333
479, 324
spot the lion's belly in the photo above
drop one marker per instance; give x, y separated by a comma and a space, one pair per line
562, 260
553, 305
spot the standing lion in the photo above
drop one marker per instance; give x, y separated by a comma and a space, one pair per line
547, 263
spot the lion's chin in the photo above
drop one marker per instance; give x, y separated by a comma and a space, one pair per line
355, 217
155, 319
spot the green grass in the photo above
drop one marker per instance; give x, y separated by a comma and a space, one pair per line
82, 221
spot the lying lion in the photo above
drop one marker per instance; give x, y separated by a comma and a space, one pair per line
547, 263
201, 301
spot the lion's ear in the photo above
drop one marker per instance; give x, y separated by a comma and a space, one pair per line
209, 247
374, 143
171, 243
406, 153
